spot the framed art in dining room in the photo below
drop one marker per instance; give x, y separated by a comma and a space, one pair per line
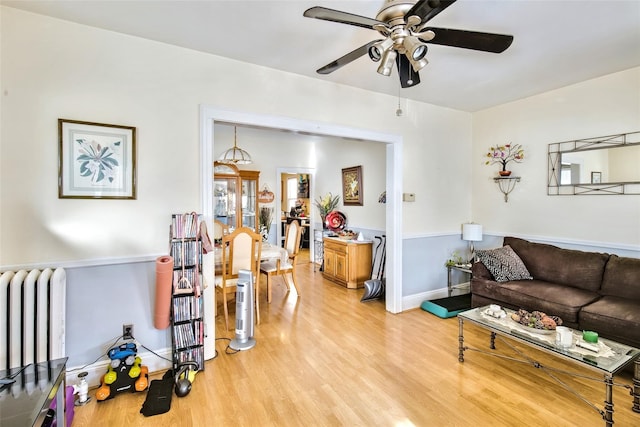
96, 160
596, 177
352, 186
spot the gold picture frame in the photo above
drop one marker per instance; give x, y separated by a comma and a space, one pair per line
96, 160
352, 186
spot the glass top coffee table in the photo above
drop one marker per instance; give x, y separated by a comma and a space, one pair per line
609, 358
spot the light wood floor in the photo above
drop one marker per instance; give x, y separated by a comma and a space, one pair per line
326, 359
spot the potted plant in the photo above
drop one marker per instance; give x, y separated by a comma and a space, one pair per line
455, 259
503, 154
325, 205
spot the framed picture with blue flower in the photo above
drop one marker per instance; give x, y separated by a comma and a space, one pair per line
96, 160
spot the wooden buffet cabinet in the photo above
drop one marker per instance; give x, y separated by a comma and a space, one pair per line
347, 262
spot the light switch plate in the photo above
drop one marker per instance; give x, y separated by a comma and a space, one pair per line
408, 197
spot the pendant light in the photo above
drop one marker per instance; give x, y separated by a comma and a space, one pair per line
235, 155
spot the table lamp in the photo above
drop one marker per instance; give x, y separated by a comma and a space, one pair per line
472, 233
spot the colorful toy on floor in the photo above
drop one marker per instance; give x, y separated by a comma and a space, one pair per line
125, 373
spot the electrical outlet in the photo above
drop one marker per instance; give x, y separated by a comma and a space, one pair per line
127, 331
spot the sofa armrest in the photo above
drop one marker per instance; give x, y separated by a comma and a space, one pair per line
478, 270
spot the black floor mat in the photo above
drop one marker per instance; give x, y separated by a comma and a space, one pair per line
448, 307
159, 396
459, 302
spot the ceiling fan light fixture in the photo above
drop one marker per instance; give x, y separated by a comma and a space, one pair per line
377, 50
374, 53
388, 60
235, 155
418, 65
416, 50
419, 52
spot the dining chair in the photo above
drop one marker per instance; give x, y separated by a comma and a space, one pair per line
282, 268
219, 230
240, 251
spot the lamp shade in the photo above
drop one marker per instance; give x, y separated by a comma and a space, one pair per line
472, 232
235, 155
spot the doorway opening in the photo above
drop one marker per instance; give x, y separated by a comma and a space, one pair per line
393, 208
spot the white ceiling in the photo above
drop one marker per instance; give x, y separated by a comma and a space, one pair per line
556, 43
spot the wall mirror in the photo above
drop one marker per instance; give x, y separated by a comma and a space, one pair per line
602, 165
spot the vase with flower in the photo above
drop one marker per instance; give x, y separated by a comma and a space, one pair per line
325, 205
503, 154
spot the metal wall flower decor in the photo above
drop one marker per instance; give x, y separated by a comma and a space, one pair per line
503, 154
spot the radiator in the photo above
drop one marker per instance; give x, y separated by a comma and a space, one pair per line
32, 305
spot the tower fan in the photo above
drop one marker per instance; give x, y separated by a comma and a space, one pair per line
244, 312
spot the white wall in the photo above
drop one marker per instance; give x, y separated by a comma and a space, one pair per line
54, 69
598, 107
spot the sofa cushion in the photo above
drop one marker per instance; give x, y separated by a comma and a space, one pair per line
504, 264
583, 270
551, 298
479, 270
622, 278
613, 317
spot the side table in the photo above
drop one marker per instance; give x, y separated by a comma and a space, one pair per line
26, 401
465, 268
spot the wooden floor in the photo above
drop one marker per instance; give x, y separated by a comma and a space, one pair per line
326, 359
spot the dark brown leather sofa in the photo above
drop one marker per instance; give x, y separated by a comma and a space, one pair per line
588, 290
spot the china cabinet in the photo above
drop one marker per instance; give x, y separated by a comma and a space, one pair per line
235, 196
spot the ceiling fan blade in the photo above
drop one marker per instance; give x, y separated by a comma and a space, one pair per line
332, 15
408, 77
349, 57
427, 9
486, 42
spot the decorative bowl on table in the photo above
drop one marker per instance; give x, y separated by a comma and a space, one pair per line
536, 321
347, 234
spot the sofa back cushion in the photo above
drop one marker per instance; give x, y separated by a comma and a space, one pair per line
622, 278
579, 269
504, 264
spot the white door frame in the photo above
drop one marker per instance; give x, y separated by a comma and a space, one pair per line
209, 115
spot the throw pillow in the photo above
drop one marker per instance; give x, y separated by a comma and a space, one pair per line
504, 264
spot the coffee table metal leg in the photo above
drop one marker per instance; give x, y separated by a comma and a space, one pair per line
636, 386
460, 340
608, 401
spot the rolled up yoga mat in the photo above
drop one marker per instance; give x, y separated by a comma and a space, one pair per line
164, 277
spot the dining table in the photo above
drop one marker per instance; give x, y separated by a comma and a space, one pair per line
268, 252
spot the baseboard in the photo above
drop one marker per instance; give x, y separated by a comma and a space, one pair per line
415, 300
96, 370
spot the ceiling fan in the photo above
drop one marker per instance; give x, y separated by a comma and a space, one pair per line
403, 24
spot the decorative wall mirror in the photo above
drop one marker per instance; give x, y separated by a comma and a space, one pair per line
602, 165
